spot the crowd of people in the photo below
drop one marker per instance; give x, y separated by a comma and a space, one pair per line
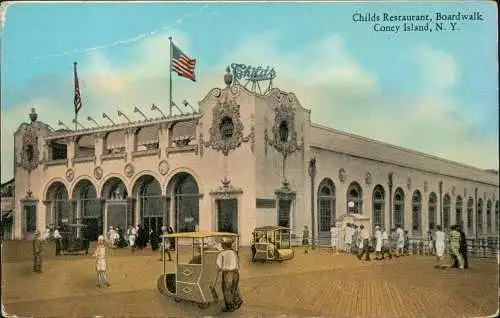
356, 239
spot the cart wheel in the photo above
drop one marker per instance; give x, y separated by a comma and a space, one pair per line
161, 284
203, 305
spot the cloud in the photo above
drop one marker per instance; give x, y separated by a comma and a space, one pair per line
341, 92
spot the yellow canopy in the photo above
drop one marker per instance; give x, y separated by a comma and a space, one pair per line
201, 234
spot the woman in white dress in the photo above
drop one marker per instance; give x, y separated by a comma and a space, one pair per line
101, 265
440, 238
131, 237
378, 243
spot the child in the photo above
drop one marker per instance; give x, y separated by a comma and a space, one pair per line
101, 264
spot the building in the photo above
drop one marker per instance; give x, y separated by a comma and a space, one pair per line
245, 160
6, 208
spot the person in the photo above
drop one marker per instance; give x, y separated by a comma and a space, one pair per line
454, 238
141, 241
101, 265
46, 234
228, 263
428, 248
305, 239
386, 244
400, 241
348, 238
406, 245
439, 236
356, 239
378, 243
58, 240
121, 242
364, 245
463, 247
153, 238
254, 240
37, 253
334, 232
131, 237
170, 230
165, 245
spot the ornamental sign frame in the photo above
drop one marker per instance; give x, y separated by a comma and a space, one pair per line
253, 75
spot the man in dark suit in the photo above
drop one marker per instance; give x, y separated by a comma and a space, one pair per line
462, 250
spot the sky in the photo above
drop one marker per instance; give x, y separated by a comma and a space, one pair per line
434, 92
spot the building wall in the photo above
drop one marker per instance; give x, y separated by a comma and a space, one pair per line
253, 165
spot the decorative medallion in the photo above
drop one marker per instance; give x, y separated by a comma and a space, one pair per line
226, 132
284, 133
226, 190
426, 186
368, 178
163, 167
453, 190
408, 183
342, 175
129, 170
98, 173
30, 155
70, 174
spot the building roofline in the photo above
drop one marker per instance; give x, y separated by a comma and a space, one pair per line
134, 124
415, 152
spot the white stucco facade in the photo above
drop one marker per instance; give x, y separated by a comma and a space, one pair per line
235, 158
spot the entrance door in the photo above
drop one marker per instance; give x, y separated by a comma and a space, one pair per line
30, 219
284, 208
91, 231
227, 215
117, 215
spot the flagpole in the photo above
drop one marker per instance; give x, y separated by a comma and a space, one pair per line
170, 80
76, 111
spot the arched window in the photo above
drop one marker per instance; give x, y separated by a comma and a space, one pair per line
470, 216
227, 128
326, 205
399, 208
446, 211
479, 216
488, 216
355, 195
432, 210
459, 206
378, 206
416, 203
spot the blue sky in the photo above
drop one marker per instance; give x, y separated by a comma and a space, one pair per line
432, 92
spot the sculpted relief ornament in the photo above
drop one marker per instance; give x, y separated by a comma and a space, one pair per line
342, 175
163, 167
70, 175
30, 155
98, 173
226, 132
283, 131
129, 170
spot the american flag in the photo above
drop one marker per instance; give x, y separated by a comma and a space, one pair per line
182, 64
78, 99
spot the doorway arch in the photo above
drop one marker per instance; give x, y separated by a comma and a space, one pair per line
326, 207
59, 205
149, 203
118, 211
183, 198
89, 209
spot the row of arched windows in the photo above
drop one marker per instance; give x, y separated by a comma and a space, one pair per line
327, 215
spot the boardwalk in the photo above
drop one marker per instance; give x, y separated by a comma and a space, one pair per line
318, 284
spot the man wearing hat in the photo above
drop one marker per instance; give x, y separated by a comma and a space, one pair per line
228, 264
37, 253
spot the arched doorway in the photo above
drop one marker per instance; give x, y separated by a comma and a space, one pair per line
118, 210
89, 209
183, 190
399, 208
416, 203
378, 207
432, 206
446, 211
326, 208
59, 205
149, 203
459, 207
470, 216
355, 195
